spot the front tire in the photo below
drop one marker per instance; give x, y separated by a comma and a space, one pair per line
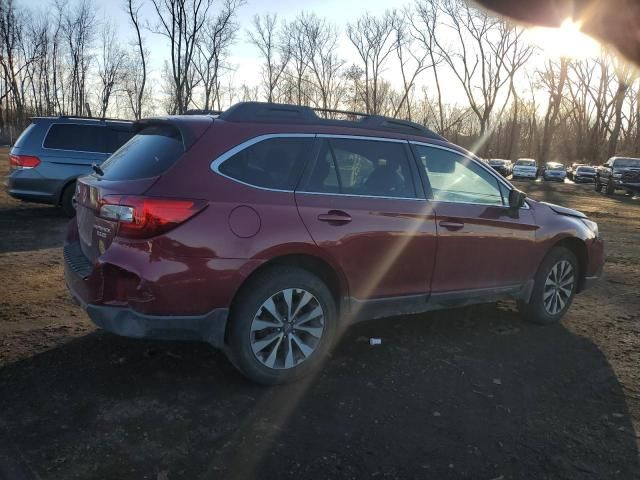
554, 289
598, 185
610, 188
281, 326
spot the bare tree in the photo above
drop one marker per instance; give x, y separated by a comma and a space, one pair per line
78, 30
137, 72
274, 48
487, 55
554, 78
111, 67
218, 35
373, 39
182, 23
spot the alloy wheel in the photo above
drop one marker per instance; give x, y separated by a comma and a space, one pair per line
287, 328
558, 287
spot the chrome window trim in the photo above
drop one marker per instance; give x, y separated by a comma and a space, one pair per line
44, 139
360, 137
215, 164
487, 168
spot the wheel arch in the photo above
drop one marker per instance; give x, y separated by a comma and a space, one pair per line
333, 278
578, 247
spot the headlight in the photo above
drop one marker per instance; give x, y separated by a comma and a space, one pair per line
591, 225
617, 175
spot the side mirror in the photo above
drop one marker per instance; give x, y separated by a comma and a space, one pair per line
516, 199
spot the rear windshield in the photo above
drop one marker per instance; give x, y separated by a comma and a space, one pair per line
23, 136
526, 163
497, 162
149, 154
627, 163
555, 166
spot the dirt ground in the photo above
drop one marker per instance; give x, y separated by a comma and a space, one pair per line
471, 393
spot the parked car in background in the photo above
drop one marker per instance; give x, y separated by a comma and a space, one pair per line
503, 167
249, 231
584, 174
618, 173
53, 151
572, 169
525, 168
554, 171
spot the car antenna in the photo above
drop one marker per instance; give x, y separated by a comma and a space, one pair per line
97, 169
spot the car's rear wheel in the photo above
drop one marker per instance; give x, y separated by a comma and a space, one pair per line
598, 185
66, 200
555, 286
281, 326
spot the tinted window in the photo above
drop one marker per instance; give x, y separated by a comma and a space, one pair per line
116, 137
586, 170
526, 163
20, 141
362, 167
150, 153
455, 178
274, 163
84, 138
627, 163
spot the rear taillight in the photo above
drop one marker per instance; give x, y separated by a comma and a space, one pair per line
144, 217
23, 161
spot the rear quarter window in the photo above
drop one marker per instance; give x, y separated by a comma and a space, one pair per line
148, 154
275, 163
23, 136
80, 138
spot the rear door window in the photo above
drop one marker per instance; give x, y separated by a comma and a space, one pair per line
275, 163
81, 138
362, 167
148, 154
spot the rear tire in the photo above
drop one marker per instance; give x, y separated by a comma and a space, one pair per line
554, 289
66, 200
281, 326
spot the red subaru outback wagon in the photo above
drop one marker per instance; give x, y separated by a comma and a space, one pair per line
266, 229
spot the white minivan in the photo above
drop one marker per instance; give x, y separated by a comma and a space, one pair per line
525, 168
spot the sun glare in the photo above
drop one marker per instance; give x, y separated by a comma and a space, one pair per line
565, 41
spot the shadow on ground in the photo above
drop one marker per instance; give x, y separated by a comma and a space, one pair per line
471, 393
32, 228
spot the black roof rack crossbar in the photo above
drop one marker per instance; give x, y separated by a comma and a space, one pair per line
259, 112
197, 111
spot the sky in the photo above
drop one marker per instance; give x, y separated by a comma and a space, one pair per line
248, 63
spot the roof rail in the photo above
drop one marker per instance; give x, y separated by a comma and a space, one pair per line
283, 113
79, 117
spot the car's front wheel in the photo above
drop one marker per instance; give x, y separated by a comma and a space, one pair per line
281, 326
555, 286
610, 187
598, 185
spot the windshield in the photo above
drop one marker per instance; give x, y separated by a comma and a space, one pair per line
496, 162
586, 170
555, 166
627, 163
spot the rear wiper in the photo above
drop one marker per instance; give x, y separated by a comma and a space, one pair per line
97, 169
